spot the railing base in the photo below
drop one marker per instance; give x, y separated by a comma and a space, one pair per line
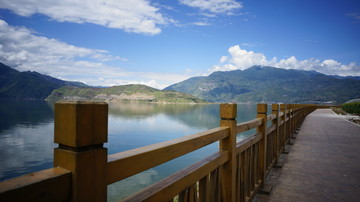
278, 165
265, 189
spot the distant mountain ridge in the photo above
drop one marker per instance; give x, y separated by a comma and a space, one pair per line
255, 84
270, 84
15, 85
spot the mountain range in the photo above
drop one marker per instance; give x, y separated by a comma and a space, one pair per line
270, 84
255, 84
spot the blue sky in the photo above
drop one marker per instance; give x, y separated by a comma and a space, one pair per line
161, 42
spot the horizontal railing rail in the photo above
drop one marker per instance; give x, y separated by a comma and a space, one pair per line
52, 184
128, 163
248, 125
180, 181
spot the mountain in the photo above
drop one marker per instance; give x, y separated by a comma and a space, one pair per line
132, 93
347, 77
15, 85
270, 84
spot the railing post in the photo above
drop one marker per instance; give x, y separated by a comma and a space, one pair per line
288, 133
295, 119
292, 120
262, 113
288, 106
228, 113
275, 110
80, 131
283, 109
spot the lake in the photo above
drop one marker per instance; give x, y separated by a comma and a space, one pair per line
27, 129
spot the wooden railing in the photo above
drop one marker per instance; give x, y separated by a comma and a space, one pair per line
82, 168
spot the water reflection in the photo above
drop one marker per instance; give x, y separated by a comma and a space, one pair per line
119, 190
199, 116
143, 110
30, 113
26, 137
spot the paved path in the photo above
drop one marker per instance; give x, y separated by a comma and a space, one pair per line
323, 164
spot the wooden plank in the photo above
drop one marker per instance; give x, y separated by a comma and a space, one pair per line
284, 125
183, 196
247, 172
251, 168
242, 175
215, 188
204, 189
257, 176
128, 163
52, 184
270, 150
248, 142
174, 184
238, 177
208, 188
281, 122
248, 125
271, 117
270, 129
193, 194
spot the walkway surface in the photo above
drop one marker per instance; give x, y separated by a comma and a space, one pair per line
323, 164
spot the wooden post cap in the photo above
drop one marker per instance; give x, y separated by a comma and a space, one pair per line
80, 123
228, 111
282, 107
262, 108
275, 107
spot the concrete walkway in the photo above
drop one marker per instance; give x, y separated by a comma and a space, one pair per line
323, 164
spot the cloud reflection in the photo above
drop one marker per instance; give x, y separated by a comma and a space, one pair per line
122, 189
26, 148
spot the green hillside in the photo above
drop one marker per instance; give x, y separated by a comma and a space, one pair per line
269, 84
131, 93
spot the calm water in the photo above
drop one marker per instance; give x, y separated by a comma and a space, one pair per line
26, 136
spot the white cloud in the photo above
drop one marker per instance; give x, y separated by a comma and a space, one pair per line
139, 78
21, 49
223, 59
214, 6
110, 77
130, 15
242, 59
355, 16
200, 23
